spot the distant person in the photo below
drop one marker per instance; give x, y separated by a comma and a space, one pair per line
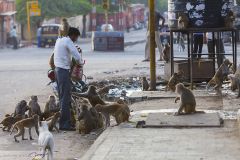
197, 44
39, 36
158, 27
215, 46
63, 52
13, 35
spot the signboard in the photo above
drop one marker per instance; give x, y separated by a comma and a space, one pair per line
34, 9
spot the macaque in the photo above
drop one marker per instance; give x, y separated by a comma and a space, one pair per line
220, 75
63, 31
34, 107
92, 96
183, 21
145, 85
98, 118
117, 110
9, 121
229, 19
104, 91
52, 121
235, 81
166, 52
51, 107
26, 123
174, 80
187, 100
86, 121
21, 108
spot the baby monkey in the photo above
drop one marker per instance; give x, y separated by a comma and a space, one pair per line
26, 123
34, 107
187, 100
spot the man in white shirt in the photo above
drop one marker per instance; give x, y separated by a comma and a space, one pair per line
63, 52
13, 35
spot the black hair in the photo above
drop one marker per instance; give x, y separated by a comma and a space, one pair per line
73, 31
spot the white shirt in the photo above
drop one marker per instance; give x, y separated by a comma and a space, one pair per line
13, 33
64, 51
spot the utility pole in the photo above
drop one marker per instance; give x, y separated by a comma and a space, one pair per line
152, 45
94, 15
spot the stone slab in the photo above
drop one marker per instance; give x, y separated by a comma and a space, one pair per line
150, 95
192, 120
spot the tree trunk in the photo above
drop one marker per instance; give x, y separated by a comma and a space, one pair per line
84, 21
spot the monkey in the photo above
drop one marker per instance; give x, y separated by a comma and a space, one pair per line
145, 85
86, 121
174, 80
117, 110
235, 81
52, 121
63, 31
9, 121
229, 19
26, 123
183, 21
98, 117
104, 90
34, 107
50, 108
166, 52
220, 75
92, 95
187, 100
21, 108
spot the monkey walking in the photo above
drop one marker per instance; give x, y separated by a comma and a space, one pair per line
235, 81
26, 123
220, 75
187, 100
145, 84
9, 121
119, 111
34, 107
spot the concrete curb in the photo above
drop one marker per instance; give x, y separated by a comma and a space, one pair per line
90, 153
126, 44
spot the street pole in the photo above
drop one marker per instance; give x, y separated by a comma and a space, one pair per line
28, 23
94, 15
152, 45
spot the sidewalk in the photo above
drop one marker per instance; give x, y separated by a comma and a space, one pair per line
125, 142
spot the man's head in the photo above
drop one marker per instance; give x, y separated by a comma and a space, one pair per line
73, 34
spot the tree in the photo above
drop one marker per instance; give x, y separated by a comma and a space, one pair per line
53, 8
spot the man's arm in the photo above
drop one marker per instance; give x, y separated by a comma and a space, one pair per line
73, 50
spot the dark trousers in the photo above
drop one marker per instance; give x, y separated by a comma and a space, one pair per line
218, 48
15, 43
64, 93
39, 42
197, 45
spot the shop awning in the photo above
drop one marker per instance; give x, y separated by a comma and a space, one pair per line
8, 13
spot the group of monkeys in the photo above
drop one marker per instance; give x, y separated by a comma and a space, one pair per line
28, 115
94, 112
187, 98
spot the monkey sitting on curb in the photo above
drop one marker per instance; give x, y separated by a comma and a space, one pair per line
86, 121
26, 123
145, 85
52, 121
118, 111
220, 75
98, 118
50, 108
9, 121
21, 109
166, 52
174, 80
92, 95
34, 107
187, 100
